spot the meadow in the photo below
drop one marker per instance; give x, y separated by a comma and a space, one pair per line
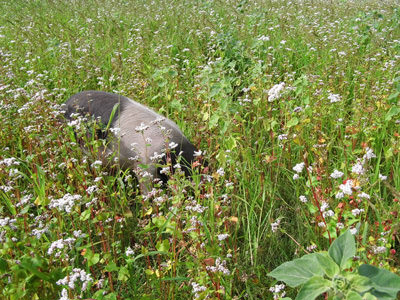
294, 104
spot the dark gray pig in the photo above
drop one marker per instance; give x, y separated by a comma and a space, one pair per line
141, 134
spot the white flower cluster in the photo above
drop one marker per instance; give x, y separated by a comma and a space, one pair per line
345, 189
74, 276
65, 203
334, 98
337, 174
220, 266
275, 225
275, 92
12, 161
195, 207
278, 291
197, 288
60, 244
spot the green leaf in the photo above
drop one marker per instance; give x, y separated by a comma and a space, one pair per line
298, 271
394, 110
359, 283
163, 246
292, 122
123, 274
343, 248
393, 98
383, 281
328, 265
369, 296
313, 288
3, 266
112, 266
352, 295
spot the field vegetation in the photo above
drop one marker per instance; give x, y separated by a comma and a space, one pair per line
294, 104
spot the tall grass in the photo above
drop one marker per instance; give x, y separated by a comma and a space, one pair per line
259, 86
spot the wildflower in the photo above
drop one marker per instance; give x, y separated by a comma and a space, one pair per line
96, 164
129, 251
311, 247
221, 172
275, 225
353, 231
299, 167
369, 154
378, 249
340, 225
282, 137
197, 288
64, 295
364, 195
358, 168
275, 92
65, 203
321, 224
334, 98
336, 174
197, 153
357, 211
173, 145
381, 177
115, 130
346, 188
328, 213
296, 176
278, 291
77, 274
324, 206
263, 38
223, 236
60, 244
303, 199
141, 128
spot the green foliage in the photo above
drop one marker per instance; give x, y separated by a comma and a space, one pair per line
343, 282
259, 86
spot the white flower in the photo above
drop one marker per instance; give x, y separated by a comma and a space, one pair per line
221, 172
369, 154
334, 98
303, 199
299, 167
173, 145
382, 177
328, 213
356, 211
141, 128
324, 206
223, 236
347, 187
337, 174
296, 176
364, 195
129, 251
358, 168
275, 225
275, 92
353, 231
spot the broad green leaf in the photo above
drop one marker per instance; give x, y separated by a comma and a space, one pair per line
384, 281
292, 122
343, 248
313, 288
111, 267
123, 274
369, 296
352, 295
394, 110
163, 245
328, 265
359, 283
3, 266
298, 271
